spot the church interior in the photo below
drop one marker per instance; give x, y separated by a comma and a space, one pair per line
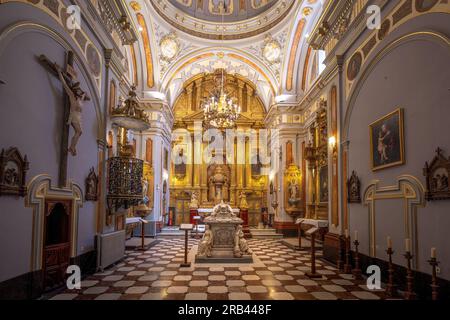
224, 149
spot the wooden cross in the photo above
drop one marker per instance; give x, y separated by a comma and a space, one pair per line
70, 76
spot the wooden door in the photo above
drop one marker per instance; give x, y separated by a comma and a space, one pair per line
57, 236
182, 211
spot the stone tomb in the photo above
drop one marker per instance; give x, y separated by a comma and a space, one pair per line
223, 241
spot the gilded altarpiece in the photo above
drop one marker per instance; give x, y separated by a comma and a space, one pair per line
222, 173
318, 190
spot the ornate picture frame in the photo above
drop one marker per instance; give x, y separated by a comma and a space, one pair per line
437, 174
13, 169
354, 189
91, 186
387, 146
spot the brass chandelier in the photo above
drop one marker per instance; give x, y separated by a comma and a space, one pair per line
219, 110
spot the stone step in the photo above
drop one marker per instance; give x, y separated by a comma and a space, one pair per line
265, 233
170, 232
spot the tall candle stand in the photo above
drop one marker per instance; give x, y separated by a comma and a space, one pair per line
340, 262
391, 290
434, 286
409, 293
357, 271
347, 265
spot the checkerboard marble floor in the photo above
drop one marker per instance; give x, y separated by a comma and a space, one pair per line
277, 273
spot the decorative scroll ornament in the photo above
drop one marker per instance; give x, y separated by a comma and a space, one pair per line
437, 173
354, 189
13, 168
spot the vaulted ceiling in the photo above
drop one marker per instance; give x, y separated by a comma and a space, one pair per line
264, 41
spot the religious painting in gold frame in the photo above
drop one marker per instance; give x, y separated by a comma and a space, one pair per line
387, 146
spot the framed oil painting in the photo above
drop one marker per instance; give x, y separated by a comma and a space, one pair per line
323, 184
387, 147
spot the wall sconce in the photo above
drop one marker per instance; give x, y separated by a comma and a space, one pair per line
332, 143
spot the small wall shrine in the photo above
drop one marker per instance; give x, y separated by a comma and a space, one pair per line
13, 169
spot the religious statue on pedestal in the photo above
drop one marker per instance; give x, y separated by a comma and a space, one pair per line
218, 185
194, 201
243, 200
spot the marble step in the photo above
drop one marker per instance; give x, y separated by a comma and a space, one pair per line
265, 233
170, 232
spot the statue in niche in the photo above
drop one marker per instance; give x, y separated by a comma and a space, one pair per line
354, 189
243, 204
76, 100
13, 168
293, 192
145, 199
180, 165
91, 186
205, 245
240, 244
194, 201
218, 184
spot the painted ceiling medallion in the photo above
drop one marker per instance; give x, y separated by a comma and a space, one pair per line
271, 49
241, 18
170, 46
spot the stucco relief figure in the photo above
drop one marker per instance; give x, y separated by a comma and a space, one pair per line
76, 100
194, 204
240, 244
205, 246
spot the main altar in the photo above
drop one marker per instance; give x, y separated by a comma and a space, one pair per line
223, 240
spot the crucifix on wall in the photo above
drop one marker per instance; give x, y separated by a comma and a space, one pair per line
74, 98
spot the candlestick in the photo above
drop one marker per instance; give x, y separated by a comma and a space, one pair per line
389, 242
391, 290
434, 286
347, 265
409, 293
357, 271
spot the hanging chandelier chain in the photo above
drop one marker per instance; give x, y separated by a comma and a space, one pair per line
221, 113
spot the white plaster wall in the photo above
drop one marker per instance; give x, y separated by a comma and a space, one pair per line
413, 76
31, 105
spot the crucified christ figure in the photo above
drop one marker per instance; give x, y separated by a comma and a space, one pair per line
76, 99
